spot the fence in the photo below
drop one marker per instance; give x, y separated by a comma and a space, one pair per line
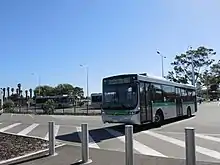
74, 110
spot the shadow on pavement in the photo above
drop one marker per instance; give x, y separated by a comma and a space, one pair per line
102, 134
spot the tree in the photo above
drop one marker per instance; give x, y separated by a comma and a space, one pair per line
215, 72
30, 91
8, 106
49, 106
19, 89
78, 93
26, 94
182, 70
12, 90
8, 91
212, 75
44, 91
62, 89
3, 93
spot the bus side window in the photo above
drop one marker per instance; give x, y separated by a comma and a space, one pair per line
169, 93
157, 94
184, 95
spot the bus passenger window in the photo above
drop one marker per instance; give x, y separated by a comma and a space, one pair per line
157, 93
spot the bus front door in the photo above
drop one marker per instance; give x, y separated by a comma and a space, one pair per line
179, 107
148, 102
145, 103
143, 117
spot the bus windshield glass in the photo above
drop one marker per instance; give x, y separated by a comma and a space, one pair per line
120, 96
96, 99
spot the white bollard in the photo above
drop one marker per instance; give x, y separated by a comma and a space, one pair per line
85, 143
190, 146
129, 153
51, 138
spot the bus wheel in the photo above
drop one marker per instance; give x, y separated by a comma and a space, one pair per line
159, 118
189, 113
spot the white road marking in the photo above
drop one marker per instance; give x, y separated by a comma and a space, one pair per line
92, 143
177, 122
56, 129
9, 127
208, 137
30, 116
181, 133
28, 129
141, 148
202, 150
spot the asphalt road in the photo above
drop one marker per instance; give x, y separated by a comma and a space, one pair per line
166, 141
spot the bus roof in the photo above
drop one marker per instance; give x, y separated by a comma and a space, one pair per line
57, 96
96, 94
155, 79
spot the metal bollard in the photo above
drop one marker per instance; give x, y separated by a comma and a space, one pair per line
51, 138
85, 143
129, 154
190, 146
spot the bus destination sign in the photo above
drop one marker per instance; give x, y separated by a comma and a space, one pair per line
124, 80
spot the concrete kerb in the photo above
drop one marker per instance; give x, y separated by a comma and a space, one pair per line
30, 156
29, 136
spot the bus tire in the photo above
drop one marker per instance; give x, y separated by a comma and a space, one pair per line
159, 118
189, 112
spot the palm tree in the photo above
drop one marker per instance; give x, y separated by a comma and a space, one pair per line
26, 94
19, 89
30, 91
8, 91
12, 90
3, 93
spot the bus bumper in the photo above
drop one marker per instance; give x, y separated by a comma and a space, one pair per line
127, 119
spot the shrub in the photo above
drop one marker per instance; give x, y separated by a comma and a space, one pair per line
8, 106
49, 106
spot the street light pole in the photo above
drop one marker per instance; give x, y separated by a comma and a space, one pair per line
162, 67
39, 82
87, 85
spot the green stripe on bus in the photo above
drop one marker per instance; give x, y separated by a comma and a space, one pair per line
169, 104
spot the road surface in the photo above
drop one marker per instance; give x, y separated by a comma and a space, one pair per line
166, 141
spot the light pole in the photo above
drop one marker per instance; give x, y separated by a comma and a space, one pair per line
87, 85
33, 74
162, 57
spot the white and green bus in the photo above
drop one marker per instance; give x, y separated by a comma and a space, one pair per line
140, 99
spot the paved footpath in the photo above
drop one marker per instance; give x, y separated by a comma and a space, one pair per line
69, 155
167, 141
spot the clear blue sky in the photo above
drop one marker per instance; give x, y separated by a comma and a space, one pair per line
51, 38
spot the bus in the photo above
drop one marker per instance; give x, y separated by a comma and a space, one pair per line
96, 100
1, 101
63, 101
140, 99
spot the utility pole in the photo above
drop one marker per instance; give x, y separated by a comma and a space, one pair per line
162, 67
39, 82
